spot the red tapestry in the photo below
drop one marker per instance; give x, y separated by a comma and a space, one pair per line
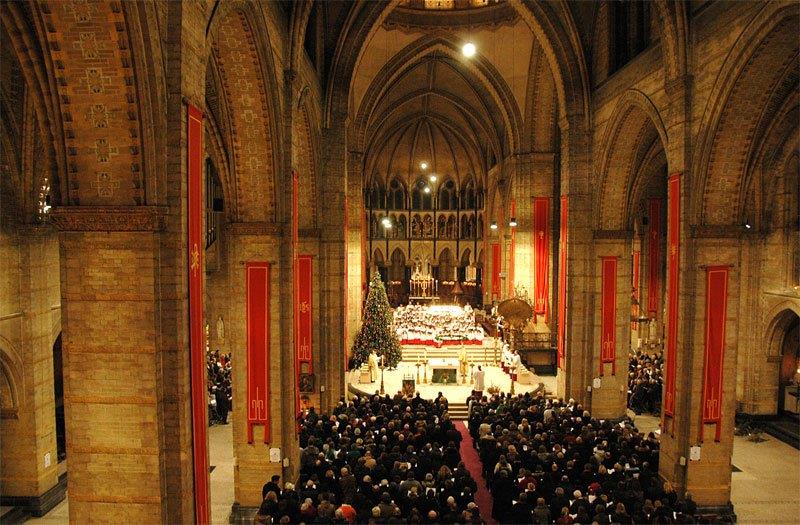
541, 255
305, 310
673, 266
562, 284
608, 313
635, 288
496, 267
197, 346
511, 248
716, 313
654, 261
257, 276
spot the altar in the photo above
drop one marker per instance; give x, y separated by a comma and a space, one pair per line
444, 371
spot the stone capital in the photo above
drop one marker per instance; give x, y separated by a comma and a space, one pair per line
108, 218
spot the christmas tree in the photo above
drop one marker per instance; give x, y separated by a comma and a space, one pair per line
376, 331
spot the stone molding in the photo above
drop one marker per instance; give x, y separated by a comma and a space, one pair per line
254, 228
410, 19
613, 234
108, 218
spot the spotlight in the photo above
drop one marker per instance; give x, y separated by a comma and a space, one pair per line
423, 165
427, 189
493, 225
432, 178
513, 222
387, 222
469, 50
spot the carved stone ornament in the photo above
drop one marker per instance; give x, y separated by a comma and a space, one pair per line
108, 218
254, 228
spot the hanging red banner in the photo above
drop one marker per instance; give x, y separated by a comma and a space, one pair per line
296, 287
197, 346
562, 284
635, 289
257, 283
716, 313
654, 261
511, 249
496, 267
673, 266
541, 255
305, 310
608, 313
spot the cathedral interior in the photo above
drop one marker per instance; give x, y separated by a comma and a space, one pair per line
179, 177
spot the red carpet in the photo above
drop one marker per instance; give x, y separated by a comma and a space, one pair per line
473, 463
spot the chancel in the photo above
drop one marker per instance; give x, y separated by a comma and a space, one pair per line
399, 261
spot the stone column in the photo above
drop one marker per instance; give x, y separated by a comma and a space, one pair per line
574, 179
354, 247
29, 458
709, 478
111, 317
332, 258
610, 400
250, 242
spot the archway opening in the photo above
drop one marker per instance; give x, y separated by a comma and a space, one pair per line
786, 343
58, 390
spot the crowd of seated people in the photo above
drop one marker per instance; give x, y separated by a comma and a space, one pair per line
644, 382
377, 460
547, 461
220, 395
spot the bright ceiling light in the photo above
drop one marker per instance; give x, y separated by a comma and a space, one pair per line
513, 222
493, 225
387, 222
423, 165
469, 50
432, 178
427, 189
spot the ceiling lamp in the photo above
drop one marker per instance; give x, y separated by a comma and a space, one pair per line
493, 225
427, 189
432, 178
423, 165
513, 222
469, 50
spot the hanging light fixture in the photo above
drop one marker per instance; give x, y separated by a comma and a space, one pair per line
423, 165
493, 225
387, 222
469, 50
427, 189
513, 222
432, 177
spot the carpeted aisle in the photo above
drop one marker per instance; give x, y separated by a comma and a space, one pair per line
473, 463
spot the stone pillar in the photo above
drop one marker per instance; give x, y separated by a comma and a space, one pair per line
709, 478
332, 259
250, 242
28, 453
574, 178
111, 317
354, 247
610, 400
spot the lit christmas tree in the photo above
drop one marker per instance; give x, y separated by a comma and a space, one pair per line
376, 331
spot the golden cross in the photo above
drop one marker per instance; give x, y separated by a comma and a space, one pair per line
195, 258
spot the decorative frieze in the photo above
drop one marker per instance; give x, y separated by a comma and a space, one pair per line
108, 218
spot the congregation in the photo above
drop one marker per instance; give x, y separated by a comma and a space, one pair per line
377, 460
644, 382
220, 395
547, 461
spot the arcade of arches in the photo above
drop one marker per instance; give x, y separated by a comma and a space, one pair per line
647, 153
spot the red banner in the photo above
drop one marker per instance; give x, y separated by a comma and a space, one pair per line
716, 313
608, 313
541, 255
305, 310
635, 288
673, 266
654, 259
257, 276
296, 286
511, 248
496, 267
562, 284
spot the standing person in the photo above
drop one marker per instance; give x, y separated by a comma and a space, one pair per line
372, 361
462, 362
516, 366
479, 376
222, 405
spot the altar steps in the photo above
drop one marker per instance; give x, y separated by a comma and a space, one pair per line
475, 354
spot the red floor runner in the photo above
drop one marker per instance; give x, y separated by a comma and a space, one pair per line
473, 463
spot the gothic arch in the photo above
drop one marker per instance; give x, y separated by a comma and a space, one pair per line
541, 122
632, 128
241, 52
740, 105
304, 150
10, 379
